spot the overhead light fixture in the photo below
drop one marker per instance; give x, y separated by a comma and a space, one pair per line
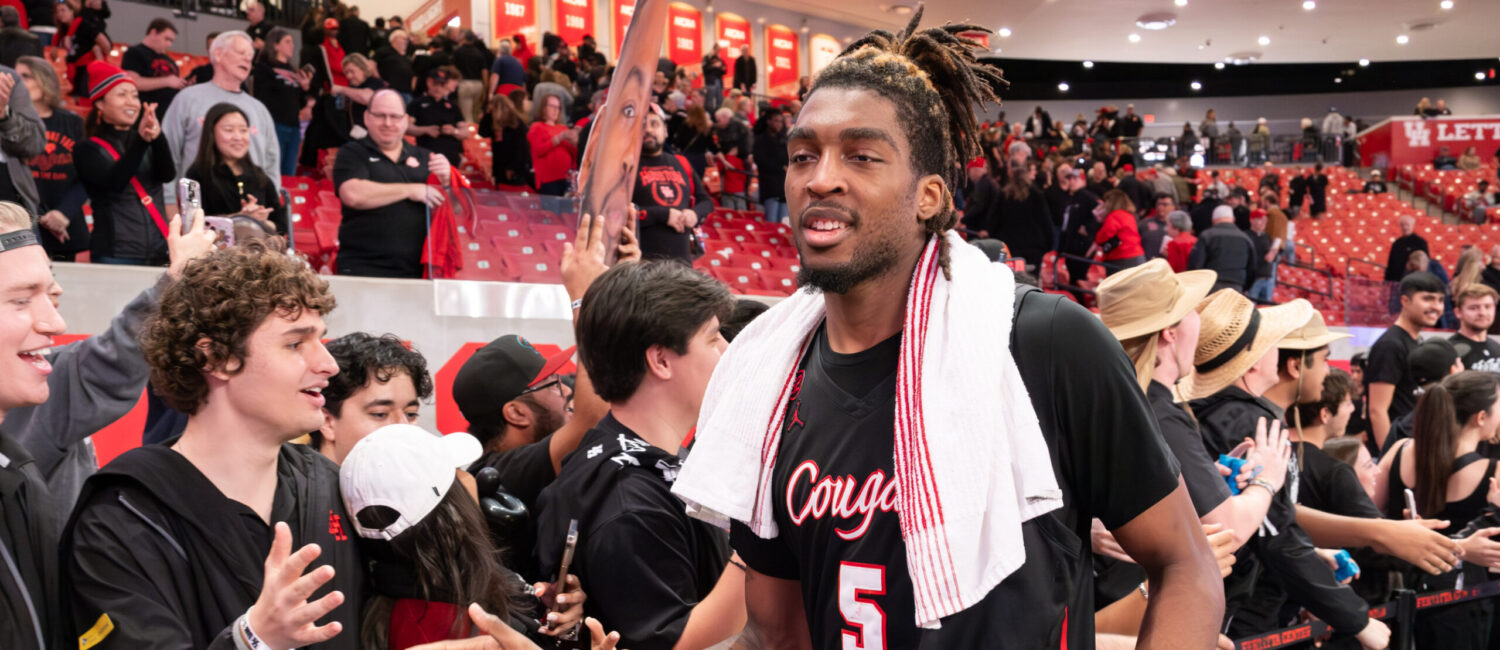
1135, 38
1004, 32
900, 10
1195, 86
1063, 86
1338, 80
1446, 4
1403, 39
1264, 40
1364, 63
1180, 3
1309, 5
1156, 21
1088, 64
1479, 76
1218, 65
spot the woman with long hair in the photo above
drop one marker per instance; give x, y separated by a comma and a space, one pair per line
231, 182
510, 152
554, 146
1021, 218
283, 89
430, 553
1450, 479
693, 140
123, 164
64, 231
1118, 237
1468, 270
363, 82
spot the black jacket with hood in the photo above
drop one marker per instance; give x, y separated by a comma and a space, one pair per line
156, 547
28, 567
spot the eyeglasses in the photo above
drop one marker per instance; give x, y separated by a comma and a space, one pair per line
556, 381
386, 117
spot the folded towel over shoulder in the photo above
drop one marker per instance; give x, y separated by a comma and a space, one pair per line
971, 462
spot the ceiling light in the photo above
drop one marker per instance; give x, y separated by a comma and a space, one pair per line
1135, 38
1402, 39
1180, 3
1338, 80
1479, 76
1264, 40
1156, 21
1004, 32
1446, 4
1364, 63
1309, 5
900, 10
1195, 86
1063, 86
1218, 65
1088, 64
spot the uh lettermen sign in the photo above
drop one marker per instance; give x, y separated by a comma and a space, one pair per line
1413, 140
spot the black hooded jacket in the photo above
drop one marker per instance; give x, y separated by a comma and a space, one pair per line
643, 561
172, 562
1281, 552
28, 566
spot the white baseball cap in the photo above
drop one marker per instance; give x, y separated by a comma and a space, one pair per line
398, 474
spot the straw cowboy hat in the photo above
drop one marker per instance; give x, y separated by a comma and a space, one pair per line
1150, 298
1234, 335
1311, 336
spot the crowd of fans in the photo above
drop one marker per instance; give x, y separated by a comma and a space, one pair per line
293, 503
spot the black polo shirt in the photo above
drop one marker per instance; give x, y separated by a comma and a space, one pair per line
385, 242
426, 111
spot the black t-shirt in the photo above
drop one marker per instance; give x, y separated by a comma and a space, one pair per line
471, 62
524, 471
1477, 355
1262, 241
426, 111
259, 30
385, 242
1204, 483
277, 87
151, 64
1331, 486
395, 69
1388, 365
1108, 455
357, 110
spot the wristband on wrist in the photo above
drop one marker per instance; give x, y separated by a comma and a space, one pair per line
1260, 482
577, 304
1144, 593
244, 636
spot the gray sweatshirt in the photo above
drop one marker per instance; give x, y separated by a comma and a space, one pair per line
183, 126
93, 383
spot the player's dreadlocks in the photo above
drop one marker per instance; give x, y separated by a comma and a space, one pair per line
936, 84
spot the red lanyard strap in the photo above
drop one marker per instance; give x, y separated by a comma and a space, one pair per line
140, 190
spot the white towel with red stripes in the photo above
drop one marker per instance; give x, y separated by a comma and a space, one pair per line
971, 462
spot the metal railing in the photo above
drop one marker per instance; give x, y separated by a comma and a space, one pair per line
1327, 280
1240, 150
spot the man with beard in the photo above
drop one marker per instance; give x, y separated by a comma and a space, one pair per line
1476, 313
1392, 391
839, 389
671, 200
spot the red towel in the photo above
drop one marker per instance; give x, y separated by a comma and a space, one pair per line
442, 258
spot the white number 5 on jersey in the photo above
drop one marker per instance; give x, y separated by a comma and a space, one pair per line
867, 619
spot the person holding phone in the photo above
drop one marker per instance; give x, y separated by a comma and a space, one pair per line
283, 89
231, 183
123, 164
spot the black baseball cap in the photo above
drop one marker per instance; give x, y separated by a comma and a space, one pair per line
439, 74
500, 372
1431, 361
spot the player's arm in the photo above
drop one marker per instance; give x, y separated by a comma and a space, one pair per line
1187, 599
719, 615
1414, 541
582, 263
1381, 394
775, 617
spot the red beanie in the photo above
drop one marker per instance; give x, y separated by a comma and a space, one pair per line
103, 77
976, 163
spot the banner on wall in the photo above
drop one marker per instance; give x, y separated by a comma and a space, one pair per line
434, 14
573, 20
685, 35
782, 58
982, 37
732, 32
511, 17
822, 49
624, 9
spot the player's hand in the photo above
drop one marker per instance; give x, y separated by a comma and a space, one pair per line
565, 611
1417, 542
150, 128
438, 165
184, 248
1221, 539
281, 616
1104, 543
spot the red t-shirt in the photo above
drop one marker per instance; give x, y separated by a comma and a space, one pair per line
1178, 250
551, 162
415, 622
1119, 227
335, 54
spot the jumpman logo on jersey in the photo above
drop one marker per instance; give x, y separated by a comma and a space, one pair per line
796, 420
